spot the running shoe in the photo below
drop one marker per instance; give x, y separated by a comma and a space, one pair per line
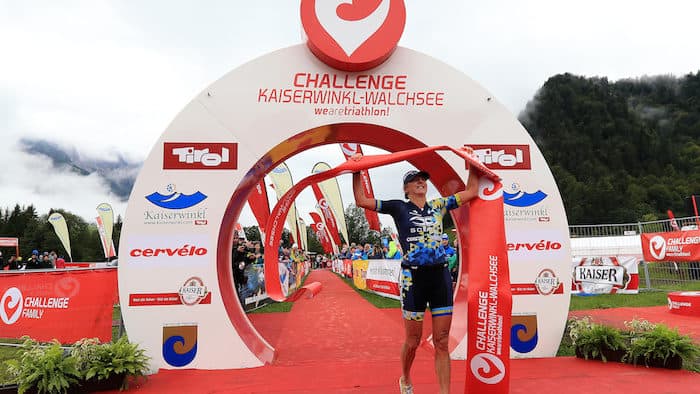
405, 388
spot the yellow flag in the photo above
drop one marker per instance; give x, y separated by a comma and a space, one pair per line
61, 228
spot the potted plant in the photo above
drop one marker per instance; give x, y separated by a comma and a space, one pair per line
596, 341
663, 347
107, 366
43, 368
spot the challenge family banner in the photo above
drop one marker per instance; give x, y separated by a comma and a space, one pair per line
349, 150
671, 246
65, 305
331, 192
260, 205
327, 212
321, 232
605, 275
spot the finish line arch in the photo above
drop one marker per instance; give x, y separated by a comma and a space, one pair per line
175, 281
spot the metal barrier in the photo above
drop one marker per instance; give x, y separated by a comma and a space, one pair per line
654, 276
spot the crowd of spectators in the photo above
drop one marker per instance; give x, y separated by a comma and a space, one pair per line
37, 260
368, 251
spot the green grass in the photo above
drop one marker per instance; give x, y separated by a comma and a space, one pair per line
7, 353
274, 307
604, 301
374, 299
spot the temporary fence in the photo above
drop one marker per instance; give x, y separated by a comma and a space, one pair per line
625, 240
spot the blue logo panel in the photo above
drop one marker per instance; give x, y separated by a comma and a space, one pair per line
523, 333
179, 345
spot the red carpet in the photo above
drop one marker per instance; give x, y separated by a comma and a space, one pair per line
337, 342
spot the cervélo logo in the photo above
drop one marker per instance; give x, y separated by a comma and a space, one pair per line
353, 35
200, 156
504, 157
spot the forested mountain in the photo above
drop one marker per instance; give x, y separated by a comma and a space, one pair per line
620, 151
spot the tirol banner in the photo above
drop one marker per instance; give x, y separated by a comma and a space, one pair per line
671, 246
65, 305
61, 228
338, 86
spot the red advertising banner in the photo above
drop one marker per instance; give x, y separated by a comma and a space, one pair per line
671, 246
65, 305
327, 214
349, 150
489, 294
200, 156
347, 268
684, 303
260, 205
321, 232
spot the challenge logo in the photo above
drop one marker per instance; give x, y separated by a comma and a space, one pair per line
523, 332
657, 247
200, 156
488, 190
11, 305
504, 157
353, 35
522, 199
487, 368
179, 344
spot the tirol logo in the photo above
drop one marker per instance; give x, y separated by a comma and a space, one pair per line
657, 247
11, 305
523, 332
522, 199
487, 368
174, 199
179, 344
193, 291
353, 35
547, 282
504, 157
200, 156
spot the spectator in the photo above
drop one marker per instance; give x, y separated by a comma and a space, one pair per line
33, 262
61, 263
377, 253
45, 262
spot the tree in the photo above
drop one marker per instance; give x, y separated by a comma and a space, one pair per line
358, 228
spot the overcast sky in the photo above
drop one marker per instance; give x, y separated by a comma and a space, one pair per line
106, 77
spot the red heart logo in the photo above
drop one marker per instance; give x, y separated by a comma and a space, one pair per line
358, 10
67, 287
9, 311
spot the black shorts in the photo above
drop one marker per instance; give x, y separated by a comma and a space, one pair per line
424, 287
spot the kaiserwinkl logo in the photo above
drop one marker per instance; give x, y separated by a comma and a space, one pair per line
353, 35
